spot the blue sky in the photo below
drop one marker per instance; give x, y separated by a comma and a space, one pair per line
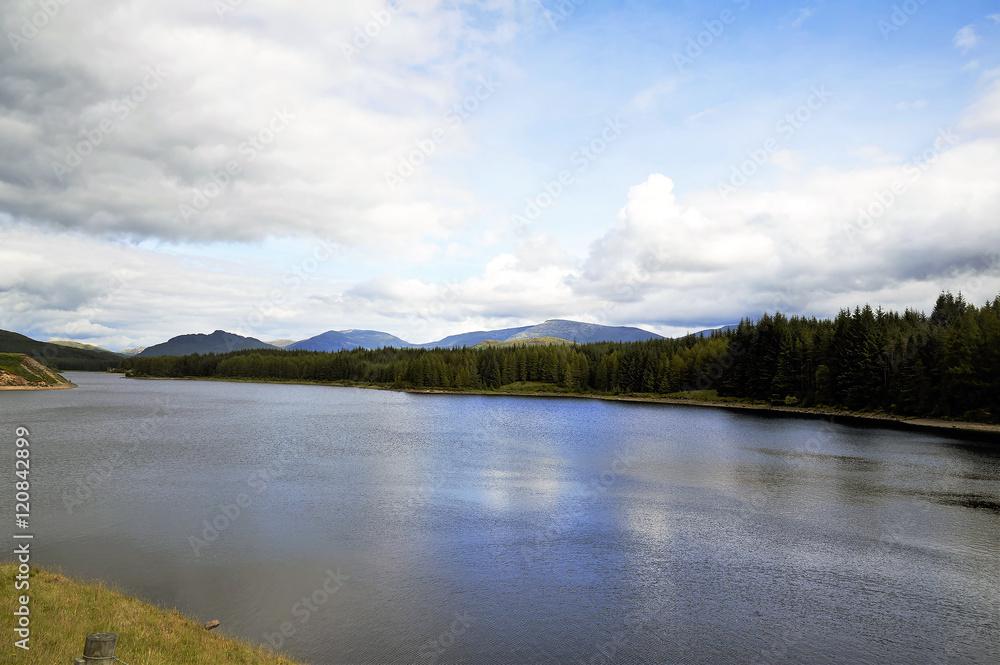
306, 235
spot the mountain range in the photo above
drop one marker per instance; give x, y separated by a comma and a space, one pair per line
75, 355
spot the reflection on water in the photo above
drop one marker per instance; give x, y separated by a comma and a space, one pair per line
380, 527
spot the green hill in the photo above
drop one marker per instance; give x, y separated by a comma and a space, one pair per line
19, 371
61, 358
530, 341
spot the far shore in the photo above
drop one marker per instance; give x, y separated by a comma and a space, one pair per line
953, 428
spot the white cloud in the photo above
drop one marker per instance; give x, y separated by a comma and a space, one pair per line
966, 38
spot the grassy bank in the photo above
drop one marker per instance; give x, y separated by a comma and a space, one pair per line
19, 372
64, 611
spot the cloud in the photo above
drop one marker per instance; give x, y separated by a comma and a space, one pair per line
966, 38
830, 237
170, 122
803, 16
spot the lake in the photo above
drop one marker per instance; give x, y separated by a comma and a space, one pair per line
363, 526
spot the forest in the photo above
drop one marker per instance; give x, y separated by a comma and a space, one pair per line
944, 365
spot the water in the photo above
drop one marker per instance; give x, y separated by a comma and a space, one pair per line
383, 527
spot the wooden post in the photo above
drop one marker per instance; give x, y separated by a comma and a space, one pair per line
99, 646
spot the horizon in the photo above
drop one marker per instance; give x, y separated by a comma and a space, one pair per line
427, 168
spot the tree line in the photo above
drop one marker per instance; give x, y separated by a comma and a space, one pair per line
943, 365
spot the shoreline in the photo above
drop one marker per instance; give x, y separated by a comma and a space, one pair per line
954, 428
59, 387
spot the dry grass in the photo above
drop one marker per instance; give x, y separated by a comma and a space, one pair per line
63, 612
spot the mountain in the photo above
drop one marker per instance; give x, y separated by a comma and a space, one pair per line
62, 358
473, 338
133, 351
280, 343
340, 340
81, 345
218, 342
573, 331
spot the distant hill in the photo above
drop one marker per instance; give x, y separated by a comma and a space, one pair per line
19, 371
473, 338
533, 341
280, 343
81, 345
133, 351
343, 340
708, 332
62, 358
218, 342
573, 331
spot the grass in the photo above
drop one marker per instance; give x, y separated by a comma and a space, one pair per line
14, 363
64, 611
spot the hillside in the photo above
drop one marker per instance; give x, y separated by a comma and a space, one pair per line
19, 371
81, 345
532, 341
219, 341
61, 358
573, 331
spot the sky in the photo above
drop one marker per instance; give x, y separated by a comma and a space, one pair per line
426, 168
